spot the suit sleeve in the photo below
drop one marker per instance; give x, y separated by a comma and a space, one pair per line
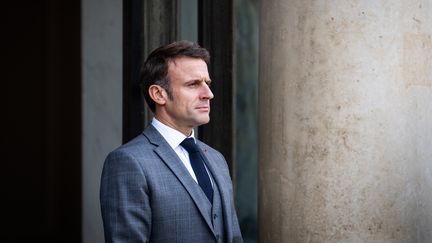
124, 199
237, 236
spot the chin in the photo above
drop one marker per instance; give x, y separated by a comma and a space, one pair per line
203, 121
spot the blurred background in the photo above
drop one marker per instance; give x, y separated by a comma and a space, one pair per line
342, 134
72, 96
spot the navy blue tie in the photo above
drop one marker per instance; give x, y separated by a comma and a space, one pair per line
197, 163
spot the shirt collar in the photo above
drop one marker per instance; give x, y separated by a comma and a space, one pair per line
171, 135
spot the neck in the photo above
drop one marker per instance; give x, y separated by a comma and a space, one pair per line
187, 131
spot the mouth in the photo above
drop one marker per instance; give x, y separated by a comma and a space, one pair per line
203, 108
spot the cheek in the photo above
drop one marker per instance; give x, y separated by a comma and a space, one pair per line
186, 101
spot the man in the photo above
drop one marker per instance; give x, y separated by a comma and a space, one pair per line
161, 187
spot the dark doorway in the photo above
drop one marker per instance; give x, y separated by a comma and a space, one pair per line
42, 186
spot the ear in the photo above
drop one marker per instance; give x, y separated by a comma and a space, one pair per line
158, 94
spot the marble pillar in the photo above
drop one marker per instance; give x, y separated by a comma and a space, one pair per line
345, 121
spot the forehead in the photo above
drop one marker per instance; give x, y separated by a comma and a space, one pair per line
188, 67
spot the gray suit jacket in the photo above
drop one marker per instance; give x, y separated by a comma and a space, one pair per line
147, 195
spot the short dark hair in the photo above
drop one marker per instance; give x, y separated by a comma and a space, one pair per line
155, 68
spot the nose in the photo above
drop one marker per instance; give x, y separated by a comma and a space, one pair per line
207, 93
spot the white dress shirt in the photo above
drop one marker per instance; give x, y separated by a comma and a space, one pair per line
174, 138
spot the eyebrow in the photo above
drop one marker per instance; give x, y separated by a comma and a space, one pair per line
199, 80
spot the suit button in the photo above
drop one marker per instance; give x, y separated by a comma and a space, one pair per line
217, 237
214, 216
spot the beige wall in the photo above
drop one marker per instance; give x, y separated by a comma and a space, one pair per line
345, 121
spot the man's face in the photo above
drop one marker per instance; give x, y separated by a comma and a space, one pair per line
190, 104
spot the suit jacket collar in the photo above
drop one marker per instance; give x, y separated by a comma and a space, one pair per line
170, 158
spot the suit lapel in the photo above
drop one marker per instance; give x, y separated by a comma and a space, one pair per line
223, 187
170, 158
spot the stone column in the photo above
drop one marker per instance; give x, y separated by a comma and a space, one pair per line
345, 119
101, 42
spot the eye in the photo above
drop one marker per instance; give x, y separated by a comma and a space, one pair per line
193, 84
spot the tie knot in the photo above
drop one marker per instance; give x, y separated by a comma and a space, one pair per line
189, 145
